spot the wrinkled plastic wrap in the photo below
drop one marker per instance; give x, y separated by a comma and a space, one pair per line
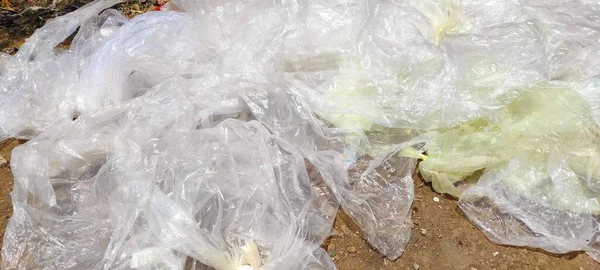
376, 193
226, 134
539, 158
148, 194
37, 84
191, 143
527, 173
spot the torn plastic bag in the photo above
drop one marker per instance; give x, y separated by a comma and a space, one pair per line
36, 85
112, 60
139, 186
573, 28
542, 118
541, 171
400, 62
373, 184
535, 201
210, 87
570, 33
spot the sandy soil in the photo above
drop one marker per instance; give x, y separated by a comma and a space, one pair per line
442, 237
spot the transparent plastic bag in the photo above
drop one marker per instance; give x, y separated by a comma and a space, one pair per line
375, 188
37, 84
539, 160
398, 64
535, 201
156, 172
139, 186
226, 133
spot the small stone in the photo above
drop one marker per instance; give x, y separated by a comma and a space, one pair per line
473, 268
416, 266
436, 199
580, 268
330, 247
495, 253
351, 249
423, 231
440, 236
2, 160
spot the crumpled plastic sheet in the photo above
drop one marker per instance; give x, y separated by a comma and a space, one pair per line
140, 186
191, 145
527, 174
539, 160
225, 134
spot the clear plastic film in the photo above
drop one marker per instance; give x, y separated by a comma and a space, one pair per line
538, 161
225, 134
140, 186
37, 84
403, 64
526, 174
374, 187
191, 144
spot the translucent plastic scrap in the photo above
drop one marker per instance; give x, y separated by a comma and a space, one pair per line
375, 190
573, 29
380, 199
407, 69
140, 186
255, 187
78, 185
478, 15
539, 158
112, 60
589, 90
140, 55
540, 119
535, 201
37, 84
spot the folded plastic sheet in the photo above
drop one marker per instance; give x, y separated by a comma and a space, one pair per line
536, 201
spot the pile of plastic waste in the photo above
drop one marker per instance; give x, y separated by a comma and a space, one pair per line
226, 134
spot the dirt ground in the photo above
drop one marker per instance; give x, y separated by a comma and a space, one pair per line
442, 237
